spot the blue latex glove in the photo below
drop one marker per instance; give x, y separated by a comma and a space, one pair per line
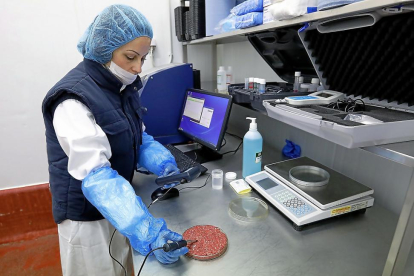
291, 149
172, 256
115, 198
155, 157
170, 169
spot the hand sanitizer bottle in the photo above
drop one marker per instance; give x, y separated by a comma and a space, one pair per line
252, 150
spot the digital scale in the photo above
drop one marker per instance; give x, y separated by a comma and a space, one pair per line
324, 97
306, 191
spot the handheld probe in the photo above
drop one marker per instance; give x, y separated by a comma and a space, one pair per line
169, 246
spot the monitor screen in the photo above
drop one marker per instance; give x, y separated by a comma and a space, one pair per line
204, 117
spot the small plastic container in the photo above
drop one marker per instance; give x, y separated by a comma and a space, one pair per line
251, 83
296, 85
262, 86
217, 179
221, 80
304, 87
256, 84
246, 83
314, 85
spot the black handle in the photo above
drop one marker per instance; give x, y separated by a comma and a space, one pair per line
170, 246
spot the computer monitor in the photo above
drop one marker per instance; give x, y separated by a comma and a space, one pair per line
204, 120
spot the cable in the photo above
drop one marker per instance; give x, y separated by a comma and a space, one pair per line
139, 272
159, 198
225, 142
234, 150
196, 187
110, 242
234, 135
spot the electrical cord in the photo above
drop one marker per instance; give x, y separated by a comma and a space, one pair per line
347, 105
225, 142
110, 254
139, 272
197, 187
110, 242
234, 151
234, 135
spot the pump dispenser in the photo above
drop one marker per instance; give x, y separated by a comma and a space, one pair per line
252, 150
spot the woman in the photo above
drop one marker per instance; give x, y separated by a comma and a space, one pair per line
95, 141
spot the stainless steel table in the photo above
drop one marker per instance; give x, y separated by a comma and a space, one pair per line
349, 245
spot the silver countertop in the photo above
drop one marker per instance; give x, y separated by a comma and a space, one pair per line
349, 245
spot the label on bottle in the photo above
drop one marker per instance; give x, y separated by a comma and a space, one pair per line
219, 79
258, 157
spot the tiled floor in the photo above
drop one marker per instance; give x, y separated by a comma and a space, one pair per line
38, 257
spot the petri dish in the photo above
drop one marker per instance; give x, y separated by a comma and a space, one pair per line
309, 176
248, 209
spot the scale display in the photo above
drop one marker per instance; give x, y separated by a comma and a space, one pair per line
307, 204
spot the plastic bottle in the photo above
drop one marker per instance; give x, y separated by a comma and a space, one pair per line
304, 87
256, 84
296, 85
251, 83
229, 76
314, 85
246, 83
252, 150
262, 86
221, 80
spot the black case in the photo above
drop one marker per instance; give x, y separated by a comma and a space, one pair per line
284, 52
375, 64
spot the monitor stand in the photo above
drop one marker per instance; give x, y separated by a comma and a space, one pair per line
203, 155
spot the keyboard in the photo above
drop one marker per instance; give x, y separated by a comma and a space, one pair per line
183, 161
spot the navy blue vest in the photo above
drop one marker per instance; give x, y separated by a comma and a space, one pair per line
118, 114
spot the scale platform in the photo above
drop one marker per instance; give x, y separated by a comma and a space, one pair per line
327, 194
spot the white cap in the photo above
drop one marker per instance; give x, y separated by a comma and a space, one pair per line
221, 68
300, 79
256, 79
315, 81
297, 74
262, 81
251, 79
253, 125
231, 175
229, 68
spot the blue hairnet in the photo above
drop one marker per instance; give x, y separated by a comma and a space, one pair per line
115, 26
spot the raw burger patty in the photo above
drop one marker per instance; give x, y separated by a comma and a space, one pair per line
211, 242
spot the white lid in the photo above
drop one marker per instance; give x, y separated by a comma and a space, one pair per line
262, 81
297, 74
221, 68
231, 175
251, 79
315, 81
253, 124
256, 79
305, 85
300, 79
229, 68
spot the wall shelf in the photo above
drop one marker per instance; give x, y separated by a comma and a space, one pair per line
355, 8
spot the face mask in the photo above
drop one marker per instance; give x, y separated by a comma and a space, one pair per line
124, 76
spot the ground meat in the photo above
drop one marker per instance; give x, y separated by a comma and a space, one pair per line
211, 242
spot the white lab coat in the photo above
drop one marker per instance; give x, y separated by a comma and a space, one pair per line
84, 245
